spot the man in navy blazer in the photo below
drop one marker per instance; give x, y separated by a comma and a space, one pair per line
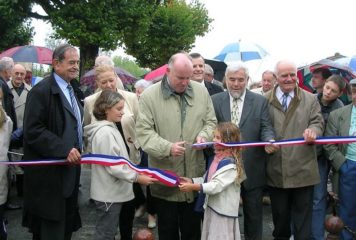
251, 115
53, 130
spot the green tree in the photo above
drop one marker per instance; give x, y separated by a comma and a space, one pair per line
14, 24
130, 66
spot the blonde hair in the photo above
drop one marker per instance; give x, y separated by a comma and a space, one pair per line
230, 133
102, 69
2, 112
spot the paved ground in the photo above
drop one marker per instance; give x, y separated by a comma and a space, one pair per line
17, 232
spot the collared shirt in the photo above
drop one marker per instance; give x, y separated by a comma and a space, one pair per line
279, 95
240, 104
63, 85
351, 148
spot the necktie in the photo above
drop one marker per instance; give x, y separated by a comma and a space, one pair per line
76, 112
285, 101
235, 112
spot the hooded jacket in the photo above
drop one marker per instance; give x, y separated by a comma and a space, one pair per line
114, 183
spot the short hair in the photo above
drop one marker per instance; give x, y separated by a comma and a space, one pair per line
237, 67
103, 68
105, 101
196, 55
142, 83
270, 72
6, 63
60, 50
324, 72
338, 80
209, 69
173, 58
103, 60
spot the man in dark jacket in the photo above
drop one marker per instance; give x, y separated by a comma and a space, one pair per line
53, 130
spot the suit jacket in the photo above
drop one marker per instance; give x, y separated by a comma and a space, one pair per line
50, 132
8, 102
128, 120
19, 102
213, 88
255, 125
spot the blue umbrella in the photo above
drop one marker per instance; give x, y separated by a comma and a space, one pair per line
348, 61
241, 51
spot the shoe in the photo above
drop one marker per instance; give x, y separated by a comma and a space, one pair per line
11, 206
140, 211
266, 200
151, 221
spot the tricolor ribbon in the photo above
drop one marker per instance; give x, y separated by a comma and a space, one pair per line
287, 142
165, 177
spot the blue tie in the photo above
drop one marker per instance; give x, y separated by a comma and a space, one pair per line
75, 108
284, 102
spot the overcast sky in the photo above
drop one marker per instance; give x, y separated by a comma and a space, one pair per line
300, 30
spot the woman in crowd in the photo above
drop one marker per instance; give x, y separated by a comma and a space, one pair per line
110, 186
221, 184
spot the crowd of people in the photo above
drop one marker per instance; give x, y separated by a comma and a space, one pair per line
156, 127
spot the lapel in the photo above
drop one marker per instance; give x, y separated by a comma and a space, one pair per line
247, 108
225, 107
345, 121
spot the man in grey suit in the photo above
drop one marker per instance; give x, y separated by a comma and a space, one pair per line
250, 112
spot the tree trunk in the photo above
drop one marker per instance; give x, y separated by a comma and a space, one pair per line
88, 53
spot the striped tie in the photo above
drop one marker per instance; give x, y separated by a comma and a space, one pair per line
285, 101
75, 108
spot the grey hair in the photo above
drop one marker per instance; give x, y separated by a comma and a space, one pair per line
209, 69
173, 58
142, 83
276, 68
237, 67
6, 63
103, 60
60, 50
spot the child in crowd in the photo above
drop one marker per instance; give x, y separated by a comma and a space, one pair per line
221, 184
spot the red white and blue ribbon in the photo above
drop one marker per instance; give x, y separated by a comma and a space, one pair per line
163, 176
287, 142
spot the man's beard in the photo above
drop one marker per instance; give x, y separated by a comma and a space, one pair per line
236, 94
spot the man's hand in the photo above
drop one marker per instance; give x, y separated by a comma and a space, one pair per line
74, 156
271, 148
309, 135
177, 149
200, 140
145, 179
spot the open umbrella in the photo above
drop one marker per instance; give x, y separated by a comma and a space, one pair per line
348, 61
32, 54
241, 51
156, 74
89, 78
305, 73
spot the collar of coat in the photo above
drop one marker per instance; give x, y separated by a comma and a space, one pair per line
168, 91
273, 100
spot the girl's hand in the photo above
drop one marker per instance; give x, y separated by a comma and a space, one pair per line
189, 187
145, 179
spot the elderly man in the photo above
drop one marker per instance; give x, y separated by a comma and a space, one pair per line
341, 122
198, 74
268, 81
209, 76
19, 90
53, 130
6, 65
249, 111
292, 171
175, 113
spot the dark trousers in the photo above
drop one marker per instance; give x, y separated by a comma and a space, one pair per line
127, 216
292, 207
3, 232
253, 212
177, 220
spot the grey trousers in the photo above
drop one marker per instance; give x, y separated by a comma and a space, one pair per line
107, 222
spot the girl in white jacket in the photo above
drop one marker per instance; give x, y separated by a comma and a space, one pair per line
221, 184
110, 186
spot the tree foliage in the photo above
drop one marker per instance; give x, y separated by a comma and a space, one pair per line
129, 65
14, 25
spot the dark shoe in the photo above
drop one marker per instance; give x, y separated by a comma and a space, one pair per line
11, 206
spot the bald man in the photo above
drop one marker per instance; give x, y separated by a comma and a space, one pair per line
172, 114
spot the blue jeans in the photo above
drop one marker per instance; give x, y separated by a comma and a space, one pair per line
347, 189
319, 201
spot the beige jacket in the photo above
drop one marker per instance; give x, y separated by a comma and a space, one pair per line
294, 166
5, 135
19, 102
128, 120
159, 125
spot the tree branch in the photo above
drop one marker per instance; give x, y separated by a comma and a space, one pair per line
38, 16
